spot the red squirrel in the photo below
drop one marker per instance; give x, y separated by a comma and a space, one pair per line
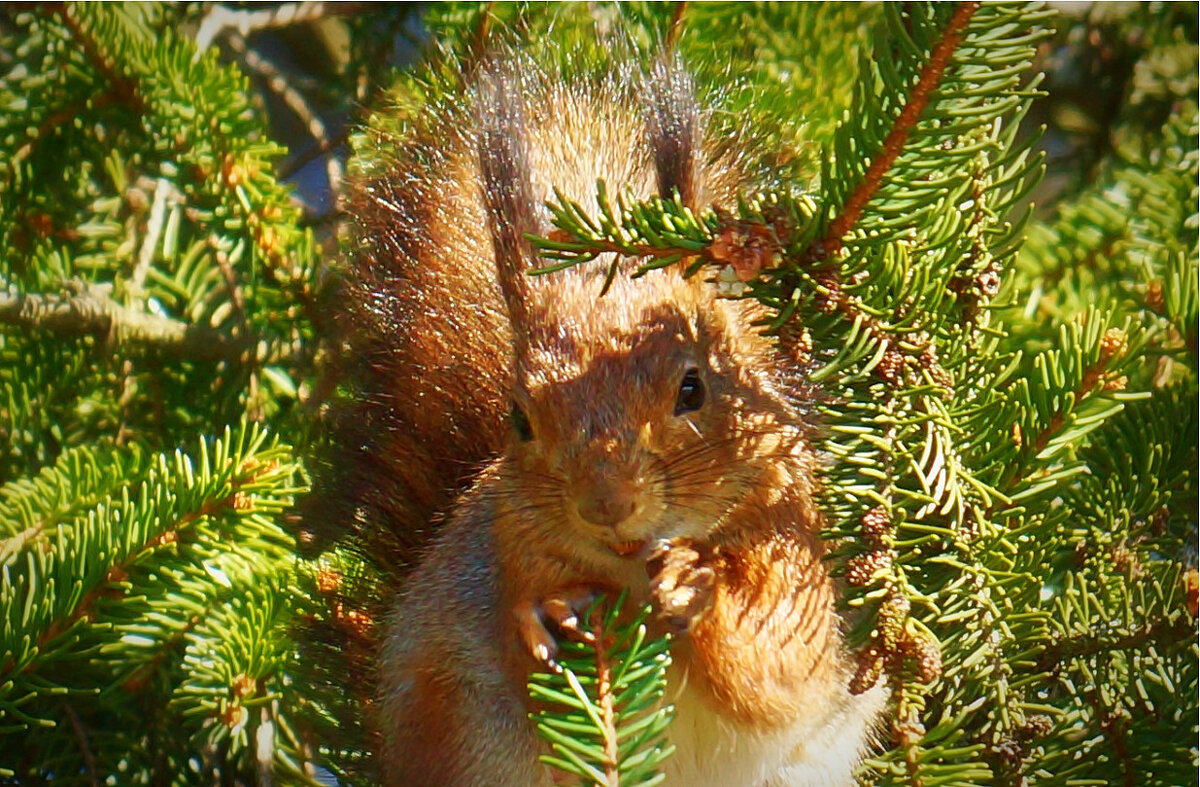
643, 441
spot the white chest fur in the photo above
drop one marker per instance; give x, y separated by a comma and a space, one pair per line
714, 751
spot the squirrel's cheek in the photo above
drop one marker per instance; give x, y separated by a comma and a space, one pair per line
531, 461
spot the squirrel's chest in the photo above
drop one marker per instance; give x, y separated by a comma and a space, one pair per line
713, 750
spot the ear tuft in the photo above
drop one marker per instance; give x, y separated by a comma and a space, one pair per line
673, 124
507, 183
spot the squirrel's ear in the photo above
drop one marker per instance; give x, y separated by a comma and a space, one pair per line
507, 184
674, 128
673, 125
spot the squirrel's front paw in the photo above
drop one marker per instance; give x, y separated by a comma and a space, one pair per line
561, 612
681, 583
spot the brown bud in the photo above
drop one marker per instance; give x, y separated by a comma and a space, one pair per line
875, 525
1154, 296
1008, 751
1160, 521
231, 170
889, 623
244, 686
267, 239
1113, 344
1116, 383
867, 671
166, 537
861, 569
328, 580
136, 199
925, 651
234, 716
1039, 725
931, 363
358, 622
828, 300
988, 283
890, 366
747, 247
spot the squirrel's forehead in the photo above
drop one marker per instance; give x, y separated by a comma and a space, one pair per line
585, 349
601, 330
571, 309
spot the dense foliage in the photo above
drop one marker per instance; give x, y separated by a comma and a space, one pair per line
1004, 367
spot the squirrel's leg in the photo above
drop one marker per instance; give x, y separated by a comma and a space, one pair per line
450, 713
766, 647
453, 720
561, 612
760, 619
681, 583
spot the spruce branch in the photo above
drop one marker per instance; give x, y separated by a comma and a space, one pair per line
931, 75
280, 85
221, 18
125, 88
89, 310
1092, 365
230, 494
81, 735
1053, 606
174, 571
1169, 633
53, 121
321, 147
602, 715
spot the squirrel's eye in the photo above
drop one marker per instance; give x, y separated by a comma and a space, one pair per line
691, 393
520, 423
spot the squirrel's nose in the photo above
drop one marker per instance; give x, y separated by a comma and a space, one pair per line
607, 504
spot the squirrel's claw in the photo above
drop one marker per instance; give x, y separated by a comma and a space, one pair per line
681, 584
536, 638
563, 611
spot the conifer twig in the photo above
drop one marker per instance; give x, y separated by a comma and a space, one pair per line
125, 88
221, 18
604, 693
89, 759
612, 685
154, 228
88, 309
278, 83
55, 119
1090, 645
675, 28
319, 148
235, 499
931, 76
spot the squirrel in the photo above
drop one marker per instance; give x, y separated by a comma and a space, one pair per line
645, 441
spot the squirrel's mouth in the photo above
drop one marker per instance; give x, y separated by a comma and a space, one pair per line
628, 548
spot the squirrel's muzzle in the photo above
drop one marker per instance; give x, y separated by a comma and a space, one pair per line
604, 494
607, 503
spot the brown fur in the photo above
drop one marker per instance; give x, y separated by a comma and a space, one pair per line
455, 331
